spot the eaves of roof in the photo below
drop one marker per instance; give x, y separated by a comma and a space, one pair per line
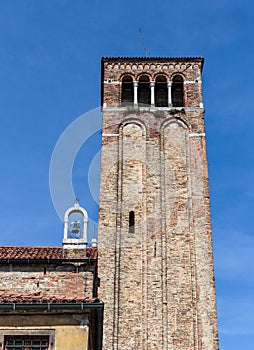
41, 254
153, 59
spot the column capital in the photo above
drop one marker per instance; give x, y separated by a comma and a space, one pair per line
135, 84
152, 83
169, 83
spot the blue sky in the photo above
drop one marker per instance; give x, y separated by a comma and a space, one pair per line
50, 55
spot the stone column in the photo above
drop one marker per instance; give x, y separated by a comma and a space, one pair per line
152, 84
135, 86
169, 94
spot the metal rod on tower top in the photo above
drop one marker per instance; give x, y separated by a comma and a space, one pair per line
143, 41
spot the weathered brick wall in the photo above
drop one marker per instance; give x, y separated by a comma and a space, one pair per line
157, 283
40, 281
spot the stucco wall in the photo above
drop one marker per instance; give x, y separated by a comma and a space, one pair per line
70, 332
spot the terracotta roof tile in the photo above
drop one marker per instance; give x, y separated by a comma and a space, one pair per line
26, 252
38, 298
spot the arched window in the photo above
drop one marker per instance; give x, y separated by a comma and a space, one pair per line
131, 222
127, 90
177, 91
144, 93
161, 91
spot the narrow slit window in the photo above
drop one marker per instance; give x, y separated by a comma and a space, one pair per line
161, 91
144, 91
177, 91
131, 222
127, 90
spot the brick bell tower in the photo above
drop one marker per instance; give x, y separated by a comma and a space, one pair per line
155, 243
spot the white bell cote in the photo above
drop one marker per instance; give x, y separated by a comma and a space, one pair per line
75, 233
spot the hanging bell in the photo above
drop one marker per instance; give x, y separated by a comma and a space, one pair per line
75, 227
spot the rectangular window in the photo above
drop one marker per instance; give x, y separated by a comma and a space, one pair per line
27, 339
17, 342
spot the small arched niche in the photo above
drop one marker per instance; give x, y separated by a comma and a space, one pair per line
177, 91
161, 91
144, 91
127, 90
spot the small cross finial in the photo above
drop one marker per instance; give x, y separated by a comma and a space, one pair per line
76, 202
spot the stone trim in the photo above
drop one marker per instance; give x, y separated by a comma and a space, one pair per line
112, 82
109, 135
192, 82
196, 134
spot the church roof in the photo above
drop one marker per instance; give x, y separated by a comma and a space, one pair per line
37, 297
37, 253
55, 285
